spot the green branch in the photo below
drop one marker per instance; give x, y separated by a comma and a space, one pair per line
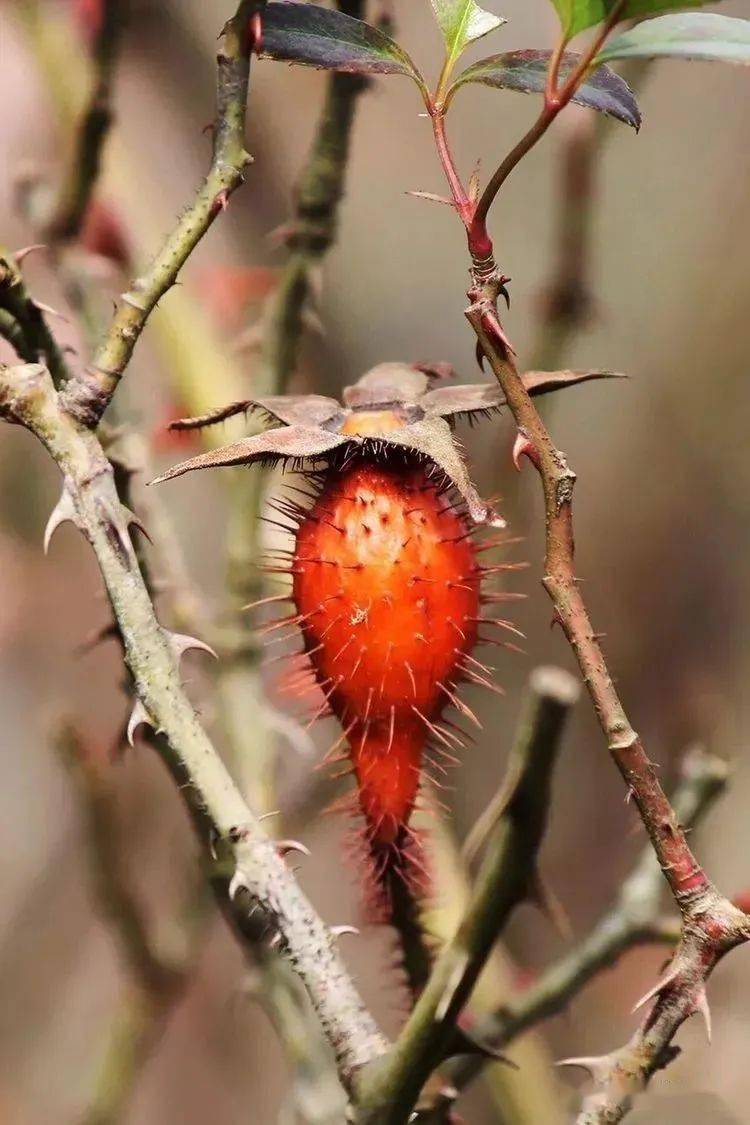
251, 880
89, 394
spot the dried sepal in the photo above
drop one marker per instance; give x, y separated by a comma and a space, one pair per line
295, 443
388, 384
542, 382
392, 407
298, 410
432, 439
471, 398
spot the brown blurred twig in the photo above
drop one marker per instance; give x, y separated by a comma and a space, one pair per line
82, 168
566, 302
507, 876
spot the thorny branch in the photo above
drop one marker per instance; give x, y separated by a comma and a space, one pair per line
506, 877
636, 918
711, 925
250, 878
89, 393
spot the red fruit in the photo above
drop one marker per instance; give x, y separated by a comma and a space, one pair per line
387, 589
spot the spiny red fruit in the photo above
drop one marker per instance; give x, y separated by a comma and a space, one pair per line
386, 586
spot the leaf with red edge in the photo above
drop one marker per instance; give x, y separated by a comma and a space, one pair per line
331, 40
526, 72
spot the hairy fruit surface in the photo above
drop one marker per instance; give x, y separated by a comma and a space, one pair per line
385, 580
387, 589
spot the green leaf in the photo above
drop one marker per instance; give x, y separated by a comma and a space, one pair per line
691, 35
577, 15
331, 40
462, 22
526, 71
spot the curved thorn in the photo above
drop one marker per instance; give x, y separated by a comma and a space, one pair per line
522, 447
181, 643
138, 715
24, 252
654, 992
339, 931
63, 512
284, 847
702, 1008
237, 882
592, 1064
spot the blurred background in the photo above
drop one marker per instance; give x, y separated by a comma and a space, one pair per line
662, 291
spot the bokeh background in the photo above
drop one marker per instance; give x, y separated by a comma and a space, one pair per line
662, 522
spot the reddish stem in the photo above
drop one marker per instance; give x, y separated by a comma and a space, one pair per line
683, 873
554, 101
458, 191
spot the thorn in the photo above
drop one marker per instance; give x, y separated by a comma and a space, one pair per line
221, 201
63, 512
474, 182
494, 329
340, 931
702, 1008
237, 882
523, 447
592, 1064
180, 643
23, 253
50, 311
479, 353
138, 715
284, 847
653, 992
431, 197
135, 521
